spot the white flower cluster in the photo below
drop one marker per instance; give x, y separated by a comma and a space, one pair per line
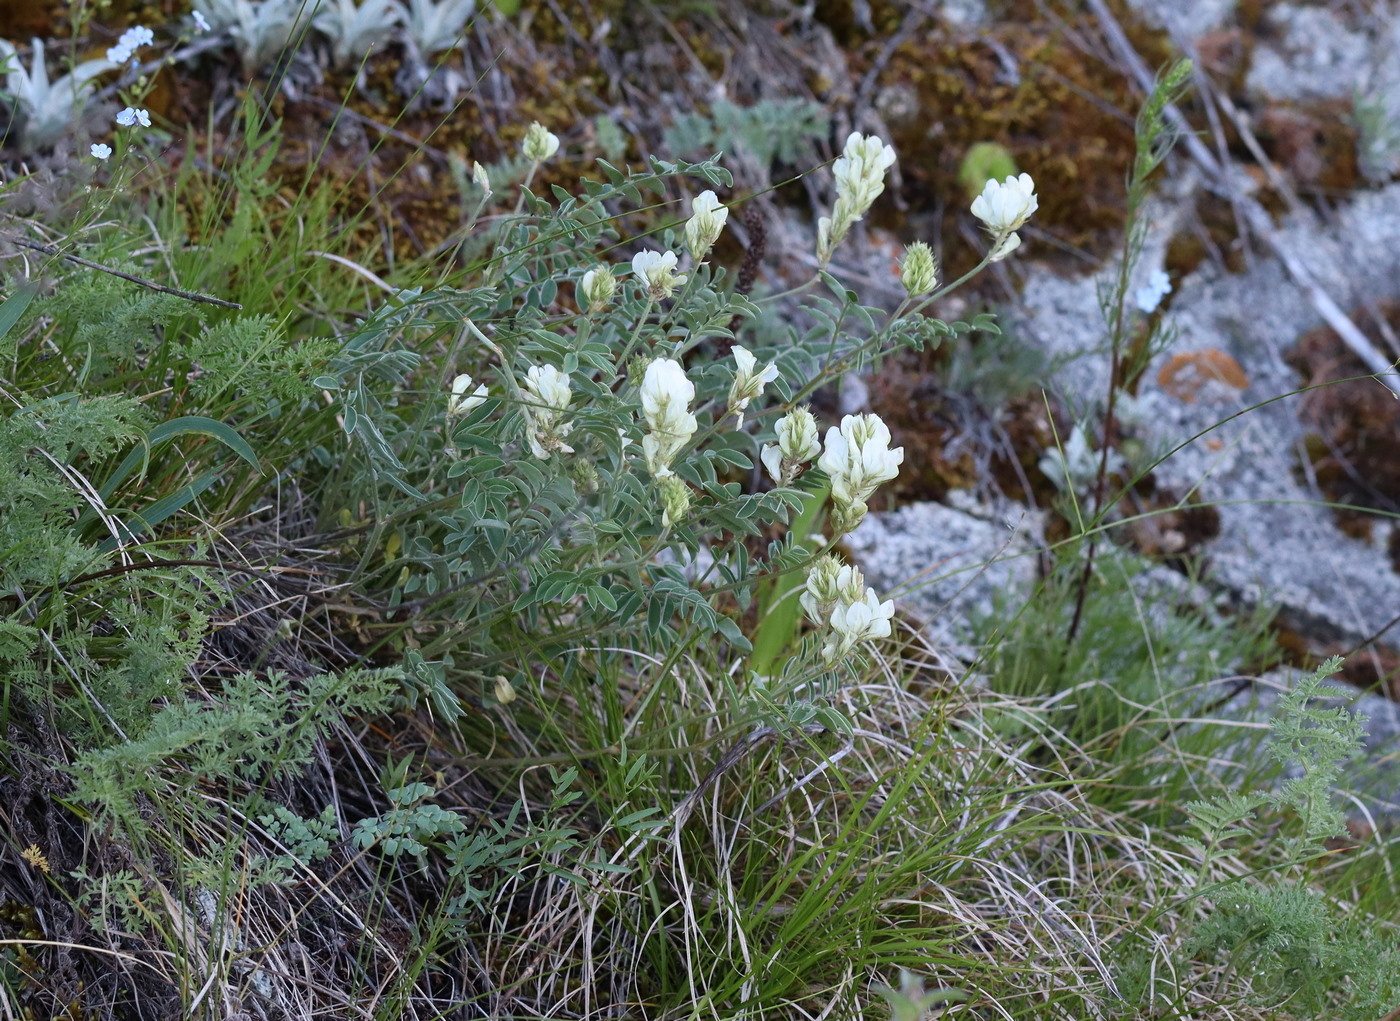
657, 272
860, 178
540, 143
837, 598
545, 425
1003, 207
857, 459
666, 396
798, 442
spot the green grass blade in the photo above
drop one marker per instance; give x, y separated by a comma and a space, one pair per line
183, 426
778, 609
15, 305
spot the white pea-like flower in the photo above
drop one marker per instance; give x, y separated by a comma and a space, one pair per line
101, 150
1004, 206
540, 143
481, 179
666, 395
200, 21
860, 178
857, 620
545, 426
597, 288
798, 442
131, 116
749, 381
1004, 247
857, 459
463, 399
657, 271
919, 273
707, 219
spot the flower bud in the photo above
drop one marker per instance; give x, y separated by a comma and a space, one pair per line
540, 144
919, 273
597, 288
481, 180
823, 588
1005, 247
505, 692
707, 219
675, 500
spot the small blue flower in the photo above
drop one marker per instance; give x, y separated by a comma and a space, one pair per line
131, 116
1147, 298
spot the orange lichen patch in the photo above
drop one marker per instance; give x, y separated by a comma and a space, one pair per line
1186, 376
1353, 422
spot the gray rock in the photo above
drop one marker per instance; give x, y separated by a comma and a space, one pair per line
946, 565
1275, 544
1185, 19
1311, 53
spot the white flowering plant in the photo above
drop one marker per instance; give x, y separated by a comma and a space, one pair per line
600, 456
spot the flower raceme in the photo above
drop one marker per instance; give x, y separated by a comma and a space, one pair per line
749, 381
657, 272
596, 288
1003, 207
855, 621
798, 442
707, 219
857, 459
860, 178
837, 598
545, 427
540, 143
919, 273
666, 395
829, 582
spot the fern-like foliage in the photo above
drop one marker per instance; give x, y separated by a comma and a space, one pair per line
1296, 945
